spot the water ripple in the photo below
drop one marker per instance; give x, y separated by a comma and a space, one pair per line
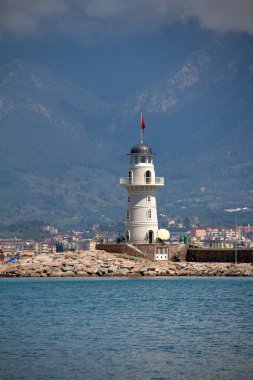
168, 328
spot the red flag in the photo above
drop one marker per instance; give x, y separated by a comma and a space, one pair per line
142, 123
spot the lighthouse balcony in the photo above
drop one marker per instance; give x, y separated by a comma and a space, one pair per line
156, 181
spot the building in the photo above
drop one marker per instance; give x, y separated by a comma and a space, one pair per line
198, 232
245, 233
220, 235
45, 248
141, 185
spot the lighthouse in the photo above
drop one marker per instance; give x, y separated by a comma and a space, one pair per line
141, 185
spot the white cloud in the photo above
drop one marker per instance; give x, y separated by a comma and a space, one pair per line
97, 19
224, 15
26, 17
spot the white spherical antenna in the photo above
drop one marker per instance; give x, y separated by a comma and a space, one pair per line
163, 234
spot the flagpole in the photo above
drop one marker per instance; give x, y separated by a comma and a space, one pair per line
141, 130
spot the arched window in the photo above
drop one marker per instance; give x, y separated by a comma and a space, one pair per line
127, 235
130, 177
148, 176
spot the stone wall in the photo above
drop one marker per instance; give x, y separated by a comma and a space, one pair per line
119, 248
148, 250
219, 255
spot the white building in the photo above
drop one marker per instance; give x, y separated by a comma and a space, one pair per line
45, 248
141, 185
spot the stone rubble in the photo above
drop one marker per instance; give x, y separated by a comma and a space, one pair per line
103, 264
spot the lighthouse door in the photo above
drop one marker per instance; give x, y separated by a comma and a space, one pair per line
150, 236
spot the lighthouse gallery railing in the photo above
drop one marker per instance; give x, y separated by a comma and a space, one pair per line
141, 181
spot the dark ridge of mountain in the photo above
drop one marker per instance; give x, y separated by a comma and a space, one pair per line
62, 149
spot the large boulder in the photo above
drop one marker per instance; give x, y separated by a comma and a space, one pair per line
68, 273
55, 274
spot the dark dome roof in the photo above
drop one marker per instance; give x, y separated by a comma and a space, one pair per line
141, 149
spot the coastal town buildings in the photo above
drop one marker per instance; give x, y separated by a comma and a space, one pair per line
240, 235
62, 242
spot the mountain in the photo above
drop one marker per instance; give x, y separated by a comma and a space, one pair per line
49, 145
63, 149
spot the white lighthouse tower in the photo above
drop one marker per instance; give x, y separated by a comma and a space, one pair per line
141, 185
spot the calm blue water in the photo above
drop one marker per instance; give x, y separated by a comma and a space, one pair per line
169, 328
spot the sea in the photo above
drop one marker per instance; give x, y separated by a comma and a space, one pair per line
126, 328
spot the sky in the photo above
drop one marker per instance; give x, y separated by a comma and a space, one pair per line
89, 21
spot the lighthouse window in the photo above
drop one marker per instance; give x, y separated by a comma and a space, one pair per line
128, 215
143, 159
149, 160
149, 214
132, 160
130, 177
128, 199
148, 176
149, 199
136, 160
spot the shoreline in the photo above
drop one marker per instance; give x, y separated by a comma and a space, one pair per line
98, 263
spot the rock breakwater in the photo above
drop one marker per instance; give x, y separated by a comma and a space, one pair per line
103, 264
